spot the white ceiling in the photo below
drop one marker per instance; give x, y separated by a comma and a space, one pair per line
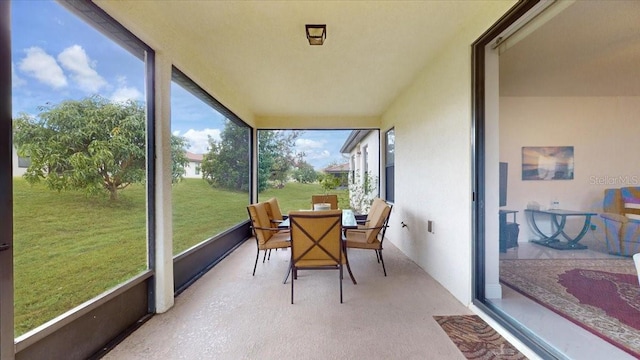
590, 49
257, 50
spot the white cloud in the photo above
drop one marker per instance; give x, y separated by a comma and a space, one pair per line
43, 67
16, 81
312, 149
317, 155
126, 93
199, 139
309, 144
75, 60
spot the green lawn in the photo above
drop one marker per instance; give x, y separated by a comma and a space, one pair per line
296, 196
69, 248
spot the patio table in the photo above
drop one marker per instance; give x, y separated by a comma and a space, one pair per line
348, 222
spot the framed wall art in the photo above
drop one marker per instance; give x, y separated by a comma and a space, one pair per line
547, 163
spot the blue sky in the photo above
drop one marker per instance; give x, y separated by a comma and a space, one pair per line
56, 56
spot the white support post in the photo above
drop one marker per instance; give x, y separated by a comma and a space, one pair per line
164, 231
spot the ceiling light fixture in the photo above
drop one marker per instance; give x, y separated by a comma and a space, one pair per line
316, 34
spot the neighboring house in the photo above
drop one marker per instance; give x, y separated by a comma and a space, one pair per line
20, 164
341, 171
363, 147
192, 170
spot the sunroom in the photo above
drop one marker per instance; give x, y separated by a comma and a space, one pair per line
443, 91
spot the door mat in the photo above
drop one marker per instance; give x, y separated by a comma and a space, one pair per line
476, 339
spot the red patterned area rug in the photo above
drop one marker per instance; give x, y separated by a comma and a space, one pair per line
600, 295
476, 339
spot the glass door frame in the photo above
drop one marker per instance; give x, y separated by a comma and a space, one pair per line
7, 349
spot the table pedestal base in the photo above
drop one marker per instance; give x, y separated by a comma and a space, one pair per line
559, 245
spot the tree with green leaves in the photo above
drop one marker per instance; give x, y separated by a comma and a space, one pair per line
276, 156
304, 172
91, 144
329, 182
226, 164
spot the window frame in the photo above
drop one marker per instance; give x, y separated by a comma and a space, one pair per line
479, 217
389, 165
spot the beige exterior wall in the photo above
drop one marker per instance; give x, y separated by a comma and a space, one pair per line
366, 157
432, 121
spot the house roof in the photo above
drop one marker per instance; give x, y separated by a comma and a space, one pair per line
194, 157
340, 168
352, 141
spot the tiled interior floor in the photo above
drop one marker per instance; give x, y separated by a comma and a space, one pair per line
567, 337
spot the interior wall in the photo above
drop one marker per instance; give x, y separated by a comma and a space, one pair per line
432, 120
604, 133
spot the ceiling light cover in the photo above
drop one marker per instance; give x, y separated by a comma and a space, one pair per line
316, 34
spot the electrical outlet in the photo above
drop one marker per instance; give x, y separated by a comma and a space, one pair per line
593, 227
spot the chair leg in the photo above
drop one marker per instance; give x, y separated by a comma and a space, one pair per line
340, 280
382, 260
290, 270
292, 277
264, 257
269, 258
377, 257
256, 264
348, 268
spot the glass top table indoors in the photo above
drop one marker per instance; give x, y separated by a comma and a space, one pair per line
559, 220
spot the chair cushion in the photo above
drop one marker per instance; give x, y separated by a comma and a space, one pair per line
377, 221
313, 263
357, 239
375, 205
331, 199
316, 237
260, 219
273, 209
277, 241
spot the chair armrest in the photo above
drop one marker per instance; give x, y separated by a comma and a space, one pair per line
614, 217
363, 229
266, 228
361, 219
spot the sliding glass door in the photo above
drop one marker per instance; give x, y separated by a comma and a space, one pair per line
6, 216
